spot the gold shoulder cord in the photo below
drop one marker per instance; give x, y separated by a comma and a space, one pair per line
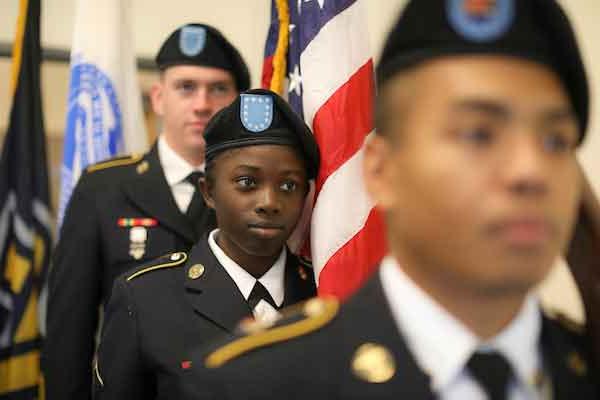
97, 371
115, 163
181, 259
274, 335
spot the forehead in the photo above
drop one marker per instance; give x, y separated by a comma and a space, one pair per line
271, 157
197, 73
518, 82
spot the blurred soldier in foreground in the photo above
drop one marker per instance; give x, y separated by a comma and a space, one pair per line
481, 107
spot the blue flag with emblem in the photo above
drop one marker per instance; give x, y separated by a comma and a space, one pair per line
104, 117
24, 216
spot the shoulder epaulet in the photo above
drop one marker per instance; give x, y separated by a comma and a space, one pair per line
305, 261
115, 162
294, 322
168, 261
567, 322
304, 268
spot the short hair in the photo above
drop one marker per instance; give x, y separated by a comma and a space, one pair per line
387, 116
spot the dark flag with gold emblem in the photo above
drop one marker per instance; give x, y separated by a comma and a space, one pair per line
24, 216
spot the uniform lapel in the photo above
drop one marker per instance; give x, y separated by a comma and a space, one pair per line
371, 321
150, 192
299, 282
214, 294
568, 367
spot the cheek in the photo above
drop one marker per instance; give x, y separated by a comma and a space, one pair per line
218, 104
228, 218
566, 188
295, 207
226, 202
176, 107
437, 197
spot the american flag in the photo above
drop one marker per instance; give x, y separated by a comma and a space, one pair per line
317, 53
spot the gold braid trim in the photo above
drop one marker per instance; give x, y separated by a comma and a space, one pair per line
182, 258
115, 163
327, 309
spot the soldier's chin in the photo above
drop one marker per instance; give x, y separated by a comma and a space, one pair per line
196, 136
197, 141
265, 247
511, 285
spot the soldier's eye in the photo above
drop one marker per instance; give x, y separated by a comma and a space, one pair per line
558, 142
220, 89
245, 182
289, 186
479, 136
186, 87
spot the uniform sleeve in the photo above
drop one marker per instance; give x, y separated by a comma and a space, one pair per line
73, 300
119, 373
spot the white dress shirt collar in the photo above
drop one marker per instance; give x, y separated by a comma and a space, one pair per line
175, 168
429, 330
272, 280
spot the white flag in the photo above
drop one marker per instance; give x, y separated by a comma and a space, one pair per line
104, 116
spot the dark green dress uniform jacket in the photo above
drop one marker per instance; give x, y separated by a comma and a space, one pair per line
93, 250
162, 311
354, 354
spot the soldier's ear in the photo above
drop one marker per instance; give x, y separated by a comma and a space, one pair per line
206, 185
156, 97
375, 174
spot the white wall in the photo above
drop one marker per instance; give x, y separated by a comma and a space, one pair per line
245, 23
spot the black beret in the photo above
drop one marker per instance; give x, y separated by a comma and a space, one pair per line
203, 45
537, 30
258, 117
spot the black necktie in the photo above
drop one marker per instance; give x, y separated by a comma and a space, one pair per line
259, 292
196, 207
493, 372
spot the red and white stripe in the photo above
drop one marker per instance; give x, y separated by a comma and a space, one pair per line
347, 237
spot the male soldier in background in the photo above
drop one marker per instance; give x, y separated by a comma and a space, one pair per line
130, 209
481, 107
